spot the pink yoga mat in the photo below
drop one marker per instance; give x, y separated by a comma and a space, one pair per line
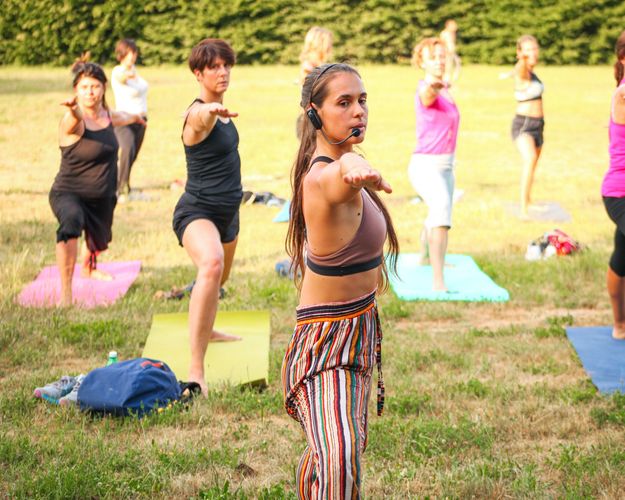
45, 291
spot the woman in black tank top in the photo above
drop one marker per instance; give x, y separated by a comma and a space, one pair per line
83, 194
206, 218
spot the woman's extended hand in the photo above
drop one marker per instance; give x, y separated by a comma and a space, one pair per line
70, 103
362, 176
139, 119
219, 109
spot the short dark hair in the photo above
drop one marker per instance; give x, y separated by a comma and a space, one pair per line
85, 69
204, 53
124, 46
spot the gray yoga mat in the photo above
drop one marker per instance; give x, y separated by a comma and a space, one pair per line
547, 211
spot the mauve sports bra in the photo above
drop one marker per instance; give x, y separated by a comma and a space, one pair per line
363, 252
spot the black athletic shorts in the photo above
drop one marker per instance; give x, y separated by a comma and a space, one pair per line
190, 208
76, 214
528, 125
616, 211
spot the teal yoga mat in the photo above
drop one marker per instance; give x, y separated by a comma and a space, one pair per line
465, 280
602, 356
284, 213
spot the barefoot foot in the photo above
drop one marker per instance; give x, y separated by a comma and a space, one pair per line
200, 380
539, 207
618, 333
95, 274
439, 287
66, 301
223, 337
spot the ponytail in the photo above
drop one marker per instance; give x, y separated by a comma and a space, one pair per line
619, 72
80, 61
619, 51
296, 235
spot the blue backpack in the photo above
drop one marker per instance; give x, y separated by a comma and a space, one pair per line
133, 387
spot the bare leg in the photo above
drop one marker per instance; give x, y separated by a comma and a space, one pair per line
529, 154
86, 271
229, 249
66, 252
438, 249
202, 243
425, 247
616, 290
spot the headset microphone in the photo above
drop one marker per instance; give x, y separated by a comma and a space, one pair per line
355, 133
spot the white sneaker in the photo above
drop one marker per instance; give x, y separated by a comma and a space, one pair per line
72, 397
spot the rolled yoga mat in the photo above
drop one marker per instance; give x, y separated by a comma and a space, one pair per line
602, 357
464, 279
227, 363
45, 291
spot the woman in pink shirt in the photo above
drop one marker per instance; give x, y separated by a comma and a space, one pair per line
431, 168
613, 192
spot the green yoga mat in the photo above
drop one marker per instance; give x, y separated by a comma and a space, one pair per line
464, 279
227, 363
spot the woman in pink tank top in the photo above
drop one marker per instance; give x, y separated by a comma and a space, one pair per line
613, 192
431, 168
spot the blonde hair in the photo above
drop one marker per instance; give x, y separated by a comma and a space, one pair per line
525, 38
430, 43
317, 46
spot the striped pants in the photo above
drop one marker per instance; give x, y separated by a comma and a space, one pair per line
326, 376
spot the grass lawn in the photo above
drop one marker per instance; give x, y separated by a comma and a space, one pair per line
483, 400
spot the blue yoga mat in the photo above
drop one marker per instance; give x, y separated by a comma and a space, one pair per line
283, 214
602, 356
463, 277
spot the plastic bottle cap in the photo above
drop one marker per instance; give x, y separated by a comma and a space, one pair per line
113, 354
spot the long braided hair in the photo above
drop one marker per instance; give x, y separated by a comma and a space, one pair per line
619, 49
296, 236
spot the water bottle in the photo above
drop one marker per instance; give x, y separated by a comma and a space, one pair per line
112, 358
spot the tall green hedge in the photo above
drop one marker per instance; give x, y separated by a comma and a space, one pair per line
271, 31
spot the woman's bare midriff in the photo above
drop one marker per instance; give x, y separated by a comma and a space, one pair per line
533, 109
318, 289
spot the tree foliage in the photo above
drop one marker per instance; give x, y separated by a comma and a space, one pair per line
271, 31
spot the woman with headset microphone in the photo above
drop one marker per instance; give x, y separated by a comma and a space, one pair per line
337, 231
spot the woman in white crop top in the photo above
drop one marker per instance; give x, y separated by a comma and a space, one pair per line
130, 92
